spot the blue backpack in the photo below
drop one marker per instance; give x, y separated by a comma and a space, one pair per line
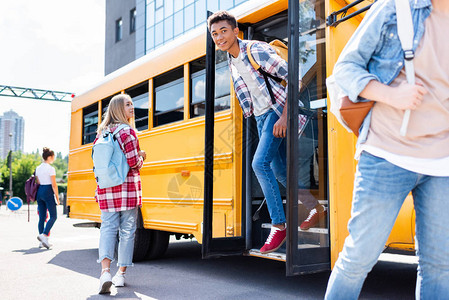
110, 165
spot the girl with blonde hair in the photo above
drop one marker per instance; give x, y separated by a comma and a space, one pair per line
119, 204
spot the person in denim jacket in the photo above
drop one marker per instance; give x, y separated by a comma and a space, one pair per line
391, 165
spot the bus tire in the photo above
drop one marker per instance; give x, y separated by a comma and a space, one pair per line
158, 245
142, 242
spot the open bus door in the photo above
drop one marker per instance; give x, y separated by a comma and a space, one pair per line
213, 246
307, 250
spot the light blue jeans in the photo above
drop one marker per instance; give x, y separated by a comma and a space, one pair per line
379, 191
121, 225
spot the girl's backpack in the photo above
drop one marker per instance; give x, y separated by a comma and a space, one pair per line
110, 165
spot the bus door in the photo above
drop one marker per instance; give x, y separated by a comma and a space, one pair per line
218, 242
307, 250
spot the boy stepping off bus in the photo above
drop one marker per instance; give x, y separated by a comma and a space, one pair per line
269, 162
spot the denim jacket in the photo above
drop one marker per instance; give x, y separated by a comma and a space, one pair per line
374, 51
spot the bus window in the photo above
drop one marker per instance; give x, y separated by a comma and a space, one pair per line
139, 94
90, 123
198, 86
222, 82
104, 106
169, 97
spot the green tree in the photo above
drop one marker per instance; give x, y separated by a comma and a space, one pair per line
61, 166
23, 165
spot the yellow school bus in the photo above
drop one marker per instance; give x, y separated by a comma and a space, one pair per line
197, 180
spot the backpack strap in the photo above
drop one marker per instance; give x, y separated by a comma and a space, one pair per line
120, 127
405, 33
255, 65
265, 74
117, 130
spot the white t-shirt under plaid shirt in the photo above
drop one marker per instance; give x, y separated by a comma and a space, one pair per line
261, 102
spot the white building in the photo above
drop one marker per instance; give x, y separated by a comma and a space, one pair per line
12, 127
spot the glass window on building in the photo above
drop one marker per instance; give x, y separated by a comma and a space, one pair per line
150, 38
139, 94
226, 4
118, 30
200, 12
179, 23
159, 34
176, 17
169, 97
150, 14
159, 4
168, 5
132, 20
212, 5
198, 84
189, 19
90, 123
168, 29
179, 4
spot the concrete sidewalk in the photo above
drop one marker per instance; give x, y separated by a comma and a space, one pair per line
67, 271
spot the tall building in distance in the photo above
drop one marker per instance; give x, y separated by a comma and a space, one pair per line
120, 36
12, 128
135, 28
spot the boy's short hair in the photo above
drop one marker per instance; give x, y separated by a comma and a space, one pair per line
222, 15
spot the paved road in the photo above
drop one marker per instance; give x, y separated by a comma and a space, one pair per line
69, 270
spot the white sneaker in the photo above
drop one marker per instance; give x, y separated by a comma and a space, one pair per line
44, 240
105, 283
119, 279
40, 245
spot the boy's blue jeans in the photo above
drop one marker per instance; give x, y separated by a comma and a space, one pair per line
270, 163
121, 225
379, 191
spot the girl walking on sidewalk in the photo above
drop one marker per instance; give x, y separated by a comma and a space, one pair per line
119, 204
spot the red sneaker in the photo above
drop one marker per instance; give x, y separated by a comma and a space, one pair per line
313, 219
274, 240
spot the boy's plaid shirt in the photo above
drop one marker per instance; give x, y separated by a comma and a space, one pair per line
128, 195
273, 64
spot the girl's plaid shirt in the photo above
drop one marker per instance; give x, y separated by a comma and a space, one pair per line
273, 64
128, 195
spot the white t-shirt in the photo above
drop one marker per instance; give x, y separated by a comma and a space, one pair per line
425, 166
261, 103
43, 173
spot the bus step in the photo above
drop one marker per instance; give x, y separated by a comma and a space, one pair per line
273, 255
311, 230
284, 201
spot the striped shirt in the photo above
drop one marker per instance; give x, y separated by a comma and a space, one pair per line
128, 195
270, 62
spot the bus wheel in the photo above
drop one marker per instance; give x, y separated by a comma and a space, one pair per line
158, 245
142, 242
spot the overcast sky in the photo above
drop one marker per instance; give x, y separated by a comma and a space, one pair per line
50, 44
